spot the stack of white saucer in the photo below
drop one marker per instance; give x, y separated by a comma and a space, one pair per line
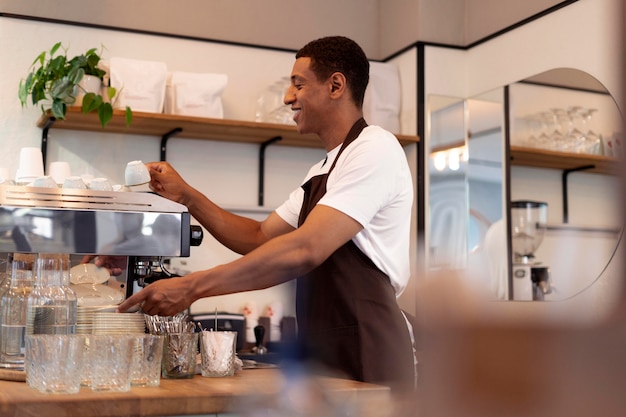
118, 323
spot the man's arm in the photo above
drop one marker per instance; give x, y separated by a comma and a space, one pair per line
278, 260
239, 234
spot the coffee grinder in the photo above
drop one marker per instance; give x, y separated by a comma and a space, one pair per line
531, 279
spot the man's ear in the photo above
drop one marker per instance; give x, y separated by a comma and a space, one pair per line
337, 83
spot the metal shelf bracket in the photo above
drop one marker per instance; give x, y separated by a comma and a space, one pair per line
264, 145
565, 174
44, 138
167, 137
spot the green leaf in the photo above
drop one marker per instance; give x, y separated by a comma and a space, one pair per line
55, 48
105, 113
40, 58
62, 89
37, 95
22, 93
91, 102
58, 109
56, 66
111, 91
129, 116
75, 75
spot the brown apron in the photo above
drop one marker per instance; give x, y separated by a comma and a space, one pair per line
348, 317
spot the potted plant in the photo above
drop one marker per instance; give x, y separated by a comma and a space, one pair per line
55, 81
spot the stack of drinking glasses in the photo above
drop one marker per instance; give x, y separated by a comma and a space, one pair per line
104, 362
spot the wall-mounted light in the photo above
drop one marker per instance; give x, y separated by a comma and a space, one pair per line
450, 158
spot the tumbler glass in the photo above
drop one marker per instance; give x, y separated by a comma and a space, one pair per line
179, 355
53, 362
147, 353
218, 353
110, 357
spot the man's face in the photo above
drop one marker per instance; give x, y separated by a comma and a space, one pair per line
307, 97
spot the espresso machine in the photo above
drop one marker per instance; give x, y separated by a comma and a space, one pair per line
531, 279
143, 227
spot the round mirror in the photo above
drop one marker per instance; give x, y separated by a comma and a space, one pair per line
551, 141
565, 147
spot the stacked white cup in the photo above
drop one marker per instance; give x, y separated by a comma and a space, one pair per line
30, 165
59, 170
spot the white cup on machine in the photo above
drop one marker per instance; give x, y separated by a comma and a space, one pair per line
45, 181
59, 170
74, 182
30, 165
100, 184
136, 173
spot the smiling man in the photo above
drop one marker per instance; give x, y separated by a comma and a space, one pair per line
344, 234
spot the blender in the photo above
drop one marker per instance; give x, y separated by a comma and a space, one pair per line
531, 279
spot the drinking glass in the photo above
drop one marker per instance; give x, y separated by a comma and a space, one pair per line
218, 353
53, 362
592, 139
575, 137
13, 309
558, 131
110, 357
147, 353
179, 355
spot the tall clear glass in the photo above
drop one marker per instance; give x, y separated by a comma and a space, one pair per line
49, 306
72, 299
13, 307
5, 281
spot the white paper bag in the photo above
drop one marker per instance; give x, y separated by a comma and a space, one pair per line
140, 84
195, 94
383, 96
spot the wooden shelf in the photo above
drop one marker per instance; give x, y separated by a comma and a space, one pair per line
539, 158
157, 124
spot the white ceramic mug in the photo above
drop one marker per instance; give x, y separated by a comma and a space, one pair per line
74, 182
59, 170
136, 173
100, 184
30, 165
45, 181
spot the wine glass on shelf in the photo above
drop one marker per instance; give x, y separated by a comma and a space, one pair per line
575, 136
544, 119
592, 139
558, 140
535, 126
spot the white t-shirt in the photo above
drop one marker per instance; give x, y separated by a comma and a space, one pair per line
371, 183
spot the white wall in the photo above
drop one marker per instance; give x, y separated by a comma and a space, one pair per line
215, 168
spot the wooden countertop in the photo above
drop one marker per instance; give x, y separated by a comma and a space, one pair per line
199, 395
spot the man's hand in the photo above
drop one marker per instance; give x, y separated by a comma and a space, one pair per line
115, 264
164, 297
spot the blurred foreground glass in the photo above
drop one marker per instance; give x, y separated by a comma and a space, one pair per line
13, 307
51, 304
218, 353
110, 359
147, 353
53, 362
179, 355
